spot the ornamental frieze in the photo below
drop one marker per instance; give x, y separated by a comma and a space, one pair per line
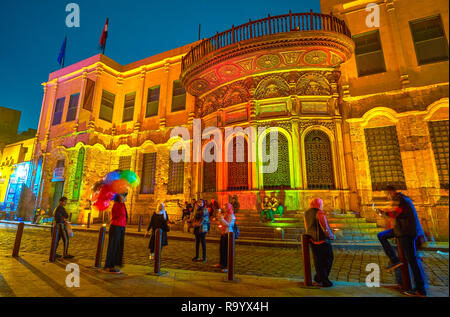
302, 125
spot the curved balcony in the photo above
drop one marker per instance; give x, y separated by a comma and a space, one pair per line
295, 30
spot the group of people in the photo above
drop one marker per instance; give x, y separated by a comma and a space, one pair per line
269, 207
406, 229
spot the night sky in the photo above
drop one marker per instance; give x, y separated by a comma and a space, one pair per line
31, 34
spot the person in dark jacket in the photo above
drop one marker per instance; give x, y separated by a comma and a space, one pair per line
159, 220
201, 227
119, 216
60, 215
407, 229
320, 234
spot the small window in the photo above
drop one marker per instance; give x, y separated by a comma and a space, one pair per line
175, 182
148, 173
429, 39
178, 97
439, 141
152, 102
89, 94
107, 106
128, 107
73, 106
125, 162
369, 54
59, 108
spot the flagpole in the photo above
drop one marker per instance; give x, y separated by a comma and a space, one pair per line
65, 49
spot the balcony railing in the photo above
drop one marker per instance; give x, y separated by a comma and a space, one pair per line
291, 22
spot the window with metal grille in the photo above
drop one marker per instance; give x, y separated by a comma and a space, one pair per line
439, 140
107, 106
429, 39
125, 162
60, 163
319, 161
385, 161
369, 53
280, 179
152, 102
148, 173
59, 108
178, 96
209, 176
78, 174
88, 94
128, 107
238, 171
176, 177
73, 106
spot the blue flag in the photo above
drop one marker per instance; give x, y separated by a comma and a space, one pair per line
62, 53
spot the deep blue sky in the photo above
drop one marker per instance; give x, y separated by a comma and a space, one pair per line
31, 34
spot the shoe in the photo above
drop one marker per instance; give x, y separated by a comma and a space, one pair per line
204, 260
327, 284
416, 293
225, 270
68, 256
57, 256
393, 266
114, 270
195, 259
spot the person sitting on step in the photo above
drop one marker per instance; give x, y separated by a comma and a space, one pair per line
277, 208
266, 208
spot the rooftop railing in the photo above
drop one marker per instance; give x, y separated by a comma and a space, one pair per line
291, 22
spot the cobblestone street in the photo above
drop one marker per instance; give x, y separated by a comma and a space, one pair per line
349, 265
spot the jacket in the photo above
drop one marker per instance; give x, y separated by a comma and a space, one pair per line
119, 215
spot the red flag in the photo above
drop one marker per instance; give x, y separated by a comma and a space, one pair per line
104, 35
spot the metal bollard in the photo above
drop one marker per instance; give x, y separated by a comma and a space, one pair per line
100, 243
158, 236
140, 224
89, 220
54, 241
306, 260
230, 262
406, 279
18, 239
70, 217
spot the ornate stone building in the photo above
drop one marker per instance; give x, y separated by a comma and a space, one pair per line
345, 130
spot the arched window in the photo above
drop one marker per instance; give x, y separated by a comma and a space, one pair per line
281, 177
238, 171
209, 176
319, 160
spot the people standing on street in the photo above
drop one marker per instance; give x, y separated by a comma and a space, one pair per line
201, 227
320, 235
60, 216
119, 216
187, 210
227, 221
213, 207
159, 220
407, 230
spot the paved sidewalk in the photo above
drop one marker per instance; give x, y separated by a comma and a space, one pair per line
31, 275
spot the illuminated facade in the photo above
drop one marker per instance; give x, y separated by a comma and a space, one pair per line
294, 72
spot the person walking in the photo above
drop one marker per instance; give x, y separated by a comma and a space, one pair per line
119, 216
226, 226
320, 236
407, 230
159, 220
201, 227
60, 216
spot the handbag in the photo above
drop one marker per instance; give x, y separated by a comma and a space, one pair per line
69, 229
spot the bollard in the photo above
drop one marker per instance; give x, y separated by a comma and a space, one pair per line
101, 240
306, 260
158, 236
70, 217
406, 279
140, 224
230, 263
89, 220
54, 242
18, 239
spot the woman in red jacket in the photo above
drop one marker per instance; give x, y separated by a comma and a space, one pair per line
116, 235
